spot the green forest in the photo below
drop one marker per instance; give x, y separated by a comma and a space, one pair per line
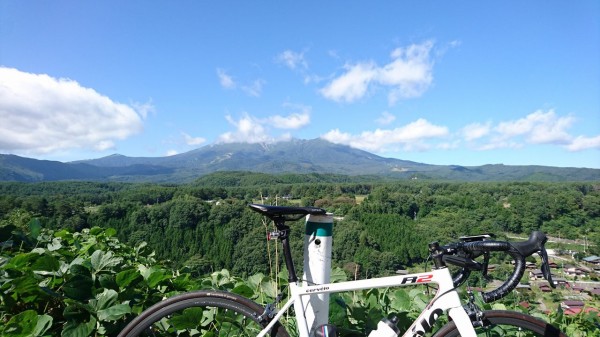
380, 225
83, 258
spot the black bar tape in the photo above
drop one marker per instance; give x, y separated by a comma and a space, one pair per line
514, 278
461, 276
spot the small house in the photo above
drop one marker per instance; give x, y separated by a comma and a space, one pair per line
571, 304
595, 260
536, 274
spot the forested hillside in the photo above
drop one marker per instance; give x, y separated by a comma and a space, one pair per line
380, 225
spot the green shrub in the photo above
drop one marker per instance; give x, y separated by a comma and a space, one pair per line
89, 284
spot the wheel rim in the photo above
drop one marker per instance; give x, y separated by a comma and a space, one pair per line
506, 323
206, 321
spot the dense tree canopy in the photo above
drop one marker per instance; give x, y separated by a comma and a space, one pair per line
380, 226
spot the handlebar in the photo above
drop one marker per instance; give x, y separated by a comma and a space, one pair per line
463, 254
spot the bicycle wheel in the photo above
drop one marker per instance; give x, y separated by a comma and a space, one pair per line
506, 323
202, 313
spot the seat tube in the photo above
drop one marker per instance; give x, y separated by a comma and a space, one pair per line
317, 266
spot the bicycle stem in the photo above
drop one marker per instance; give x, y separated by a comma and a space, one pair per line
437, 255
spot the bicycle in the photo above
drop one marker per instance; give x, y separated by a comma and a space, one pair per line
219, 313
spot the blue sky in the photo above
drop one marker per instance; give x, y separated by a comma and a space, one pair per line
438, 82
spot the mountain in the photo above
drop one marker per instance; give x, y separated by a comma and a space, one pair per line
15, 168
295, 156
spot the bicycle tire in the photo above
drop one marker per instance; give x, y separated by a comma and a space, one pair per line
506, 323
220, 312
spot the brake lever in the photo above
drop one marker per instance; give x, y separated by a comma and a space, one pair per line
486, 261
546, 266
484, 270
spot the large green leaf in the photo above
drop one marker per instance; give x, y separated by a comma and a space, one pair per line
22, 324
127, 277
401, 301
190, 318
44, 322
372, 298
157, 276
337, 309
63, 234
56, 244
78, 328
184, 282
27, 323
114, 312
110, 232
105, 299
46, 263
267, 286
79, 287
255, 280
244, 290
76, 312
96, 230
27, 288
108, 281
80, 269
21, 261
220, 278
35, 227
337, 275
498, 306
101, 260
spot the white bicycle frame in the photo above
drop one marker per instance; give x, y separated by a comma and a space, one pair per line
445, 300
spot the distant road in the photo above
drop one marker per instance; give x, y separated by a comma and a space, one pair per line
593, 284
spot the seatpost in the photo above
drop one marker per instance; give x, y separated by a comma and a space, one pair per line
287, 253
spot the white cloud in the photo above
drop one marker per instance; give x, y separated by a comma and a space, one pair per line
225, 79
448, 145
352, 85
292, 60
41, 114
584, 143
292, 121
313, 78
255, 88
104, 145
385, 118
538, 128
409, 137
172, 153
252, 89
189, 140
247, 130
500, 145
475, 131
143, 109
408, 75
296, 61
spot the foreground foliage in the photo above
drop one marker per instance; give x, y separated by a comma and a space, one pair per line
88, 283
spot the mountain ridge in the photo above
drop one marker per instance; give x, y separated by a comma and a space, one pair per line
294, 156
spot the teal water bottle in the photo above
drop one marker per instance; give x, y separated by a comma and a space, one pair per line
386, 328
